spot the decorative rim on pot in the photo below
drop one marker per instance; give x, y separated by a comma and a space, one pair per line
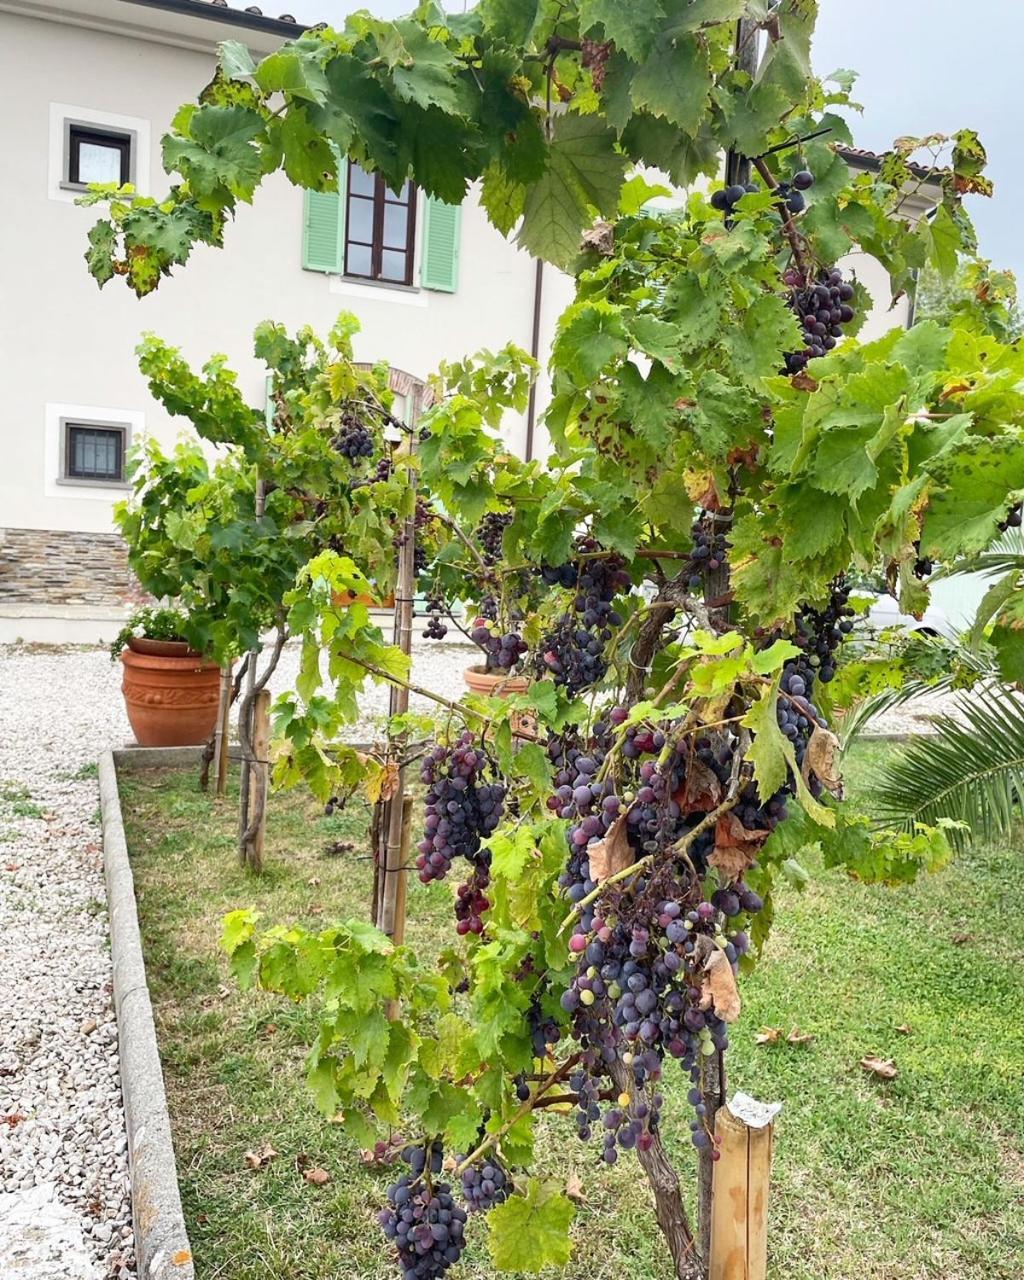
162, 648
480, 680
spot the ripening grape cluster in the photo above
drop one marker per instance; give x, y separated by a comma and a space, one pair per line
822, 309
462, 806
435, 628
490, 533
789, 194
353, 440
710, 549
1013, 519
572, 653
486, 1185
819, 633
471, 900
637, 994
423, 1218
502, 649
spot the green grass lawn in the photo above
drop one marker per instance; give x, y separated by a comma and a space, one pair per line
921, 1178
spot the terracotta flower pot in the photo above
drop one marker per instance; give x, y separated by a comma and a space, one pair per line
493, 684
171, 699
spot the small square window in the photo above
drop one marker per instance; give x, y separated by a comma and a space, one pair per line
97, 155
93, 453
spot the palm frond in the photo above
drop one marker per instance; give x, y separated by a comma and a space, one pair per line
970, 769
1005, 555
964, 666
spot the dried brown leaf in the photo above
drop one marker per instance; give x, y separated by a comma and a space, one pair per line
796, 1036
768, 1035
574, 1187
881, 1068
701, 790
804, 382
736, 846
88, 1027
822, 759
961, 939
317, 1177
612, 854
719, 983
904, 1029
261, 1157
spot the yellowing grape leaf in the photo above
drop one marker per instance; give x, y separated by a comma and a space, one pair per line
530, 1232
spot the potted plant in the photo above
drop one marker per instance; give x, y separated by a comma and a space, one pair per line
171, 692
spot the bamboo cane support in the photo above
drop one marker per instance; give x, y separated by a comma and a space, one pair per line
260, 762
222, 738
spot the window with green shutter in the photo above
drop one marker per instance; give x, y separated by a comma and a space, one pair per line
439, 265
323, 228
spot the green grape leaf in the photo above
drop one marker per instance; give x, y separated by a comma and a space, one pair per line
218, 153
591, 336
235, 60
530, 1232
691, 17
503, 199
295, 71
674, 82
584, 173
767, 751
100, 254
424, 70
979, 483
633, 27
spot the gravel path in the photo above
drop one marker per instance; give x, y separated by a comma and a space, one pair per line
64, 1204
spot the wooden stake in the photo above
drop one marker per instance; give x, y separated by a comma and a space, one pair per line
391, 874
221, 742
260, 786
398, 937
739, 1220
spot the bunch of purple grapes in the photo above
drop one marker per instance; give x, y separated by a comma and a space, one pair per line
490, 533
573, 652
725, 199
486, 1186
435, 628
710, 548
471, 899
822, 309
502, 650
353, 440
462, 806
423, 1218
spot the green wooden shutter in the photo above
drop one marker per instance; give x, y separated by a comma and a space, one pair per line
323, 227
439, 265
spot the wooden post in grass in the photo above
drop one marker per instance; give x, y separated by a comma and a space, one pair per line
259, 786
222, 733
739, 1210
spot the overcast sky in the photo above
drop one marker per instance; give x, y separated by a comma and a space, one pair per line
925, 66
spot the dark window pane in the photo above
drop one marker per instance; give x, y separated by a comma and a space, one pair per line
359, 260
360, 182
392, 265
396, 222
360, 220
97, 156
95, 453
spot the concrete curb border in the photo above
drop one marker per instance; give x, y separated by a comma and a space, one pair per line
162, 1248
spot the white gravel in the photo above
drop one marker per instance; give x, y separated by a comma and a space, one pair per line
65, 1212
64, 1193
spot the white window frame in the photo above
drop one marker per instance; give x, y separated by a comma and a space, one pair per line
62, 116
58, 417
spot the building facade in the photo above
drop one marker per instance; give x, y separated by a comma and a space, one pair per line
91, 87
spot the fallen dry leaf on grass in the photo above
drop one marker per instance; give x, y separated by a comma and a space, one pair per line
317, 1176
768, 1035
961, 939
261, 1157
796, 1036
904, 1029
882, 1068
574, 1187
